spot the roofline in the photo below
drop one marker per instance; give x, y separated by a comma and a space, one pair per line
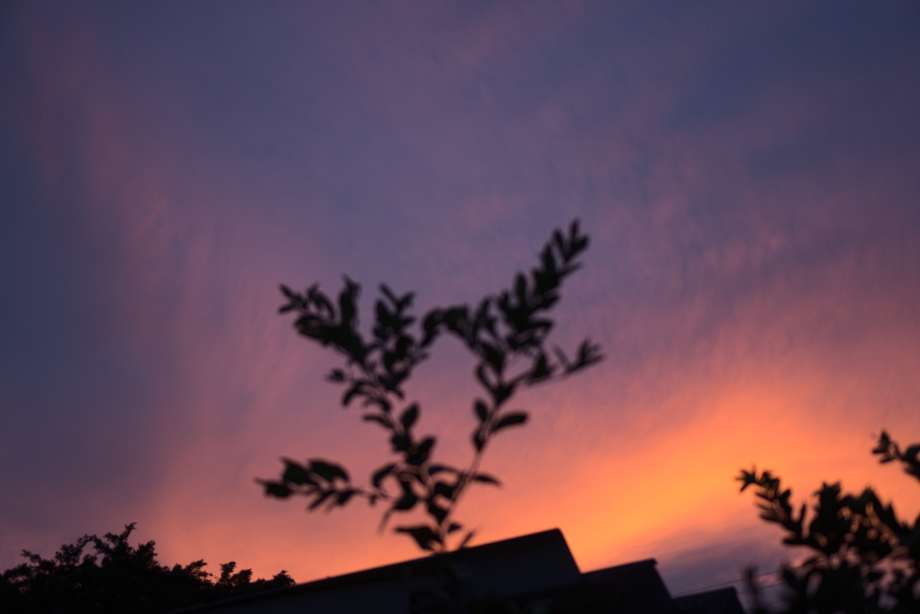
375, 574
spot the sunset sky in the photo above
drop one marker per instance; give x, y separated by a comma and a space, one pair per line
749, 174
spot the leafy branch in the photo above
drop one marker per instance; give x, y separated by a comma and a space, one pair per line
863, 557
506, 332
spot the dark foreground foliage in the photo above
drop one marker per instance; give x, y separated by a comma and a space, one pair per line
862, 558
507, 335
108, 575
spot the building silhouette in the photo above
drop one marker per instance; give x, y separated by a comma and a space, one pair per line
534, 573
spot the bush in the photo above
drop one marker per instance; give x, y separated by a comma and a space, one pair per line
862, 556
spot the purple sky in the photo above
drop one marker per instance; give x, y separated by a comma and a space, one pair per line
749, 175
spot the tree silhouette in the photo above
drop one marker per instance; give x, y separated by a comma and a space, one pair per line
862, 557
506, 333
117, 578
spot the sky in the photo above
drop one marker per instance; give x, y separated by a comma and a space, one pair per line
749, 176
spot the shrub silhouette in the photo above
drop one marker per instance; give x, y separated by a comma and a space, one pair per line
506, 333
117, 578
862, 556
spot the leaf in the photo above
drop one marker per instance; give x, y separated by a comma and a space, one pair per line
520, 289
343, 497
409, 416
376, 418
481, 410
422, 534
445, 490
466, 540
560, 243
277, 489
288, 292
434, 469
319, 499
402, 347
347, 299
510, 420
385, 290
406, 502
401, 443
430, 325
420, 455
541, 369
355, 389
493, 356
588, 354
456, 319
320, 300
485, 478
295, 473
501, 393
478, 440
436, 511
295, 301
328, 471
382, 473
561, 357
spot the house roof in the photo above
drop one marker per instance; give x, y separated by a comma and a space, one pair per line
533, 570
722, 601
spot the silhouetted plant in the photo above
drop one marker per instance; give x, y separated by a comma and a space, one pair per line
117, 578
506, 333
863, 558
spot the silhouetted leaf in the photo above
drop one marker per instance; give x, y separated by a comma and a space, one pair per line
355, 389
455, 319
435, 469
276, 489
382, 473
321, 497
485, 478
400, 442
481, 411
376, 418
295, 473
422, 451
423, 535
436, 511
289, 293
409, 416
501, 393
343, 497
540, 370
320, 300
445, 490
383, 316
430, 325
328, 471
466, 540
347, 299
406, 502
510, 420
493, 356
478, 440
